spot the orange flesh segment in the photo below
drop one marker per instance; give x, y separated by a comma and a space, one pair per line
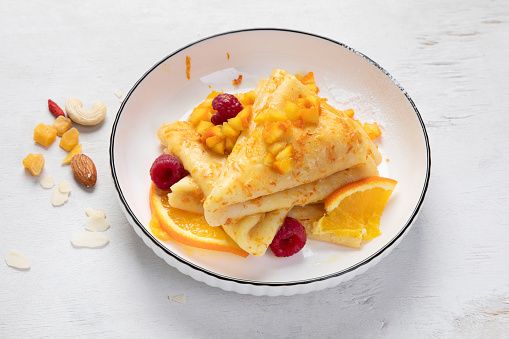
188, 228
359, 210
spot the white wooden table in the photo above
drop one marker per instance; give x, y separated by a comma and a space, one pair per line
448, 278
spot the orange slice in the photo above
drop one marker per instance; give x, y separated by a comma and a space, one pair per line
186, 227
353, 211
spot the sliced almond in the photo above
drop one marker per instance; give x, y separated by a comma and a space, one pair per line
84, 170
17, 260
181, 299
99, 212
47, 182
97, 224
89, 239
58, 198
64, 187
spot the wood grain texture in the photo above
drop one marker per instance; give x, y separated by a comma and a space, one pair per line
448, 278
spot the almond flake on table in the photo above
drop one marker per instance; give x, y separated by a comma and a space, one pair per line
17, 260
47, 182
99, 212
181, 299
89, 239
118, 94
64, 187
97, 223
58, 198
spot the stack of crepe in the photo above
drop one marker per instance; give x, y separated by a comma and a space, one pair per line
248, 198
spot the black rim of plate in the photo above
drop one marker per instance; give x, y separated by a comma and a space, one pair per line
260, 283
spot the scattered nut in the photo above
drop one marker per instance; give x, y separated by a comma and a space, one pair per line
64, 187
75, 111
89, 239
47, 182
97, 224
84, 170
17, 260
99, 213
181, 299
58, 198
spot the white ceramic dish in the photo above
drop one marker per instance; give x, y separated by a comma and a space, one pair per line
346, 77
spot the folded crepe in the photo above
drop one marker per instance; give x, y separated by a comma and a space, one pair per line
336, 143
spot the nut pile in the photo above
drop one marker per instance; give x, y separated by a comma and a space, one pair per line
82, 166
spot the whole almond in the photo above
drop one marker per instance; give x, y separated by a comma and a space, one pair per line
84, 170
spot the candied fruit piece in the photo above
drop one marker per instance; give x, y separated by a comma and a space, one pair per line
227, 106
283, 166
75, 151
276, 147
34, 163
69, 139
372, 130
198, 114
62, 125
203, 126
290, 238
349, 112
269, 159
275, 131
45, 134
229, 131
166, 170
270, 115
292, 111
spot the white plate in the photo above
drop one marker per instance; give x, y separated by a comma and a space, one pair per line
346, 77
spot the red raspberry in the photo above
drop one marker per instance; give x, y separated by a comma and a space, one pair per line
227, 106
166, 170
290, 238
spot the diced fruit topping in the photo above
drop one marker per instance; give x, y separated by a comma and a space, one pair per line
290, 238
203, 125
34, 163
45, 134
270, 115
166, 170
247, 99
227, 106
275, 131
285, 165
349, 112
221, 137
309, 81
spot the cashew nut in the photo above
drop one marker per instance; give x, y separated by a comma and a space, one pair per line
75, 111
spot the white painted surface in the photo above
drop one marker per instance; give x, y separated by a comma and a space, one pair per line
450, 275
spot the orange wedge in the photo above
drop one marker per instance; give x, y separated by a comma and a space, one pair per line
186, 227
353, 211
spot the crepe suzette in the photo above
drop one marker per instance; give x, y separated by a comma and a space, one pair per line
242, 192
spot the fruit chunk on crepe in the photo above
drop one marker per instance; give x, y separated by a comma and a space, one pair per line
249, 198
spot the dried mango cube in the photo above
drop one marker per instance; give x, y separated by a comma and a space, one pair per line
76, 150
69, 139
62, 125
45, 134
34, 163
